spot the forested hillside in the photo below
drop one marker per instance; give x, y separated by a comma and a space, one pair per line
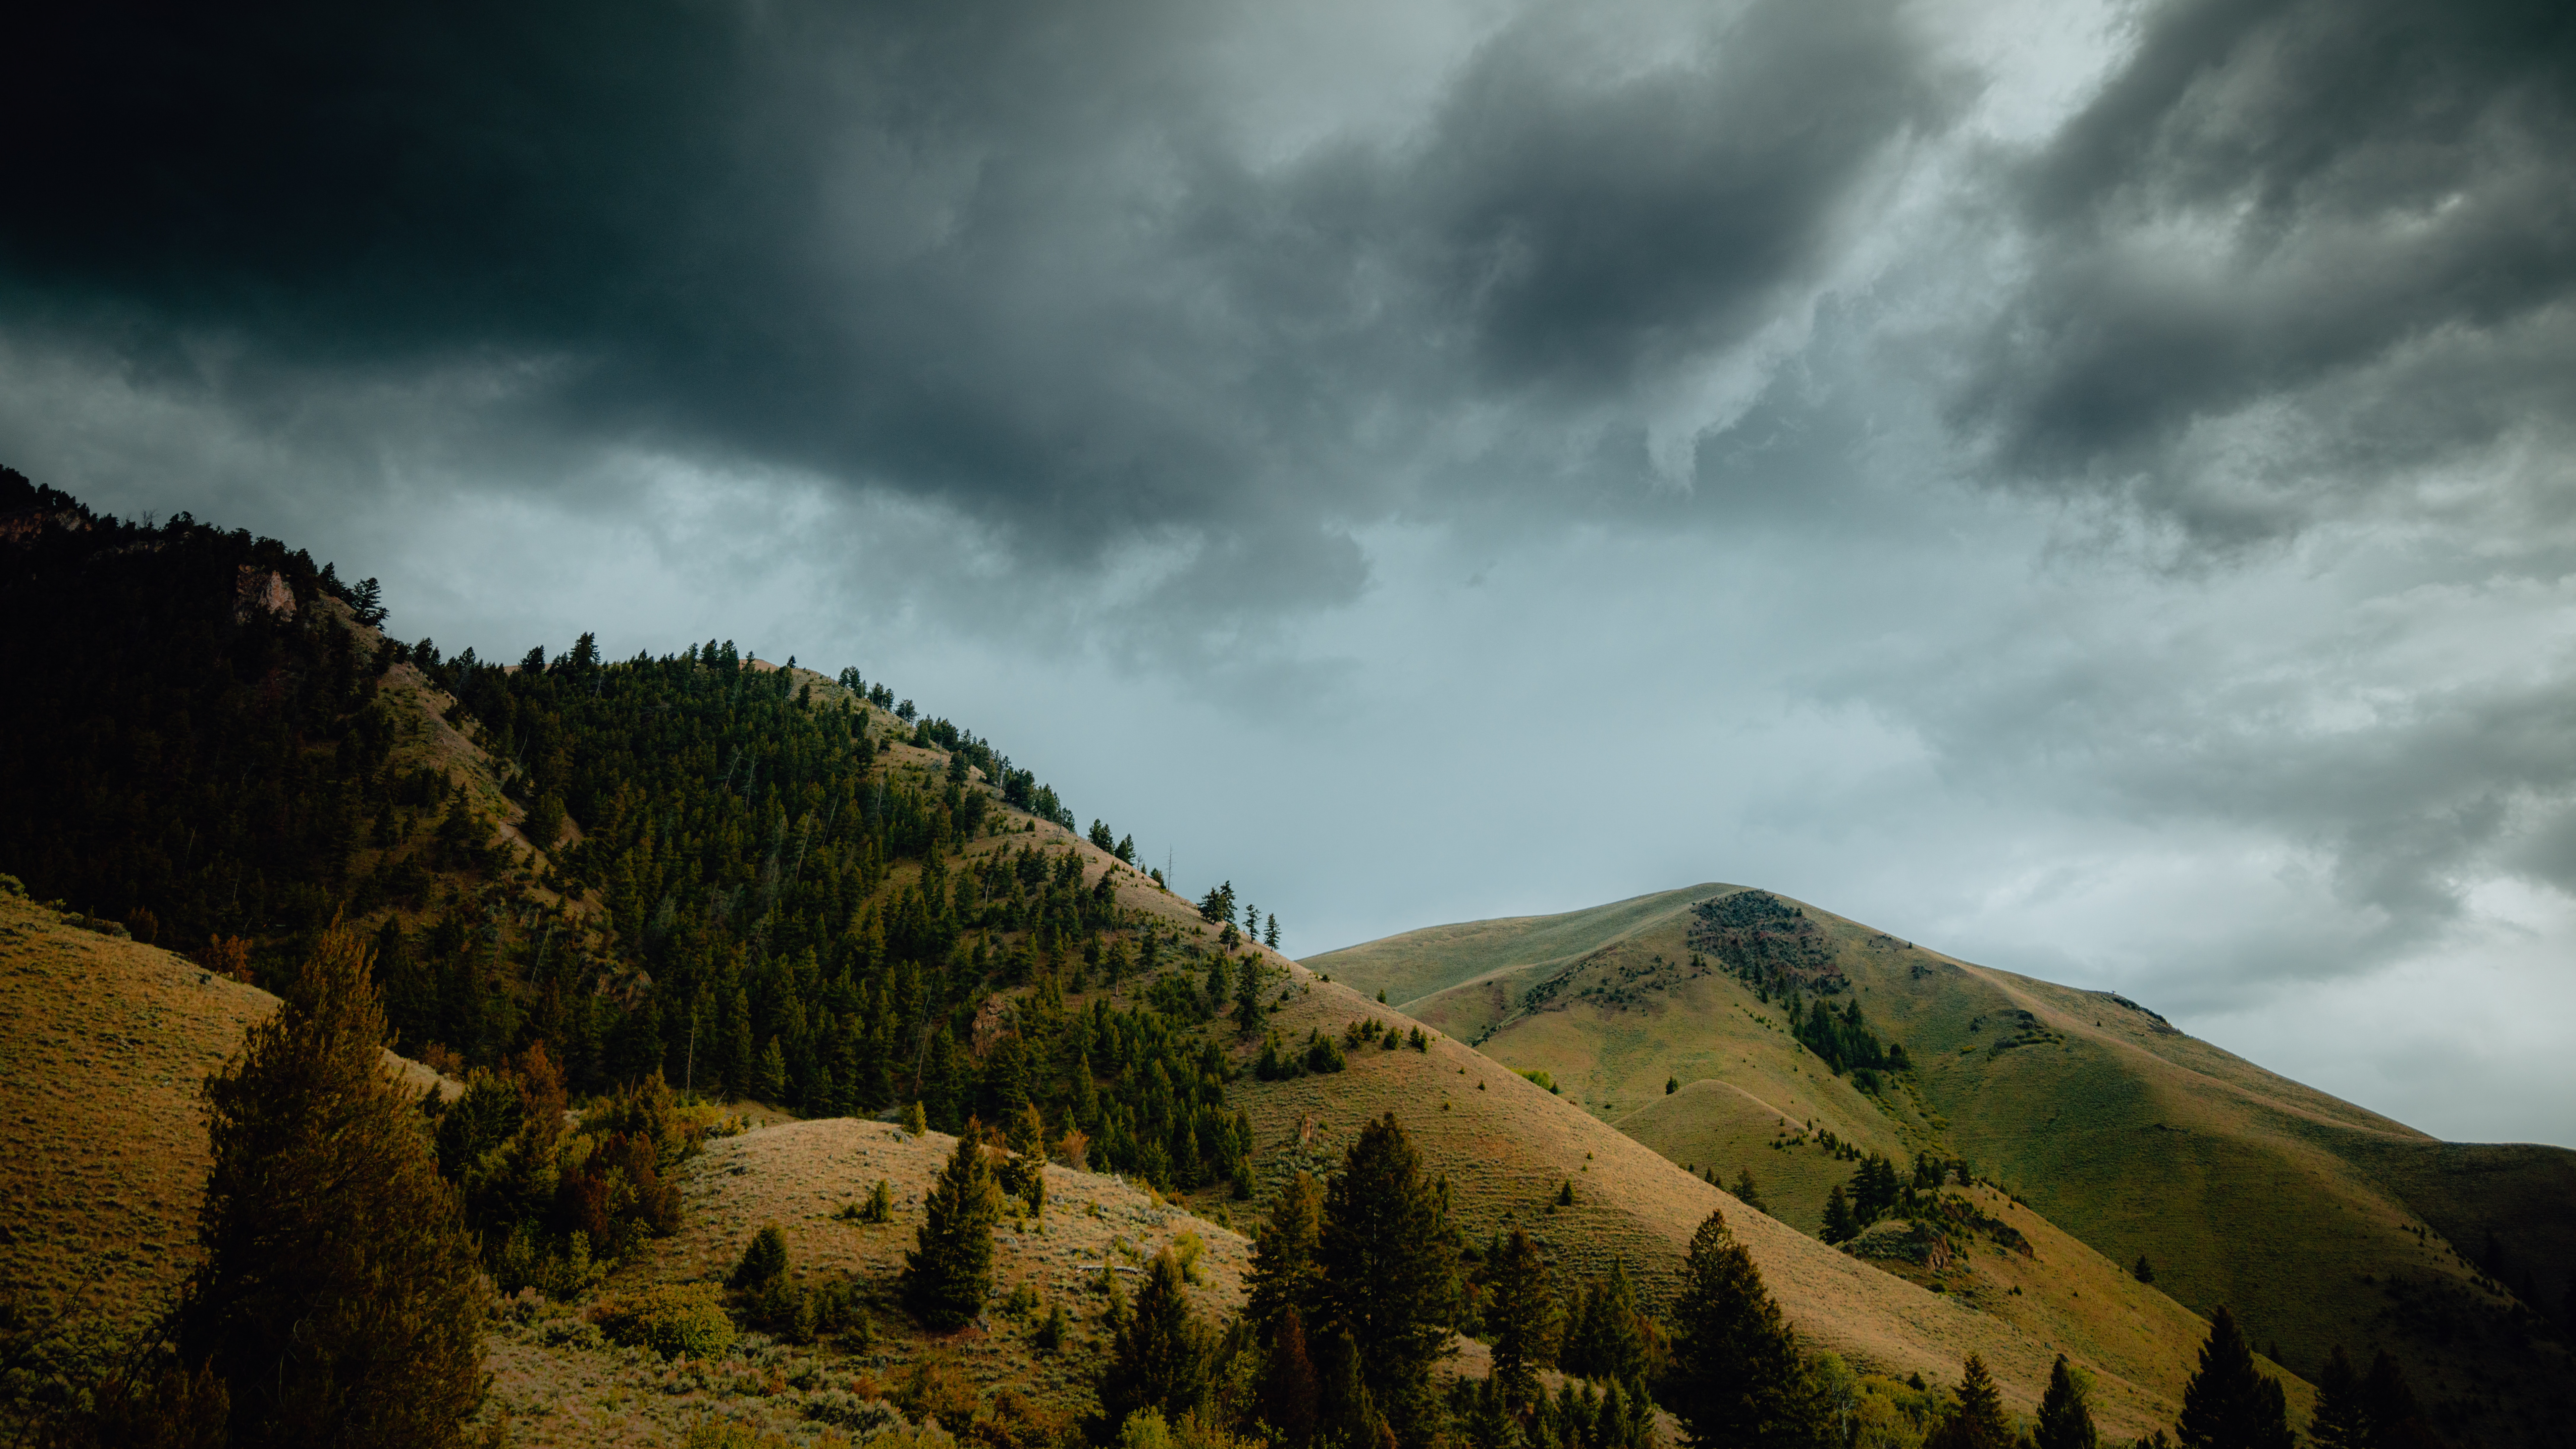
755, 880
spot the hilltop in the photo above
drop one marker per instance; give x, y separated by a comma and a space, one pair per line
2319, 1222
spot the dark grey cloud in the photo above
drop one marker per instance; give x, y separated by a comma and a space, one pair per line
1021, 259
2292, 256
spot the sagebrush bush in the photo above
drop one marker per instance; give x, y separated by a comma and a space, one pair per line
672, 1319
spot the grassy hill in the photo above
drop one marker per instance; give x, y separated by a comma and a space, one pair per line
2318, 1221
106, 1039
1507, 1144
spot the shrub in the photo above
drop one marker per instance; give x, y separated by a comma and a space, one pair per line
849, 1411
672, 1319
569, 1333
939, 1390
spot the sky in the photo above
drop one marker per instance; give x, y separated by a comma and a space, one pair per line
2083, 486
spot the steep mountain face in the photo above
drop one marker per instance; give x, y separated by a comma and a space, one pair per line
2319, 1222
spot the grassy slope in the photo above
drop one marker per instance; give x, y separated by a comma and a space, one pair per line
2242, 1187
103, 1043
1505, 1146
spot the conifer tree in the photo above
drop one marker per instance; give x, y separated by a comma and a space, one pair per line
2065, 1419
1286, 1401
947, 1275
1519, 1305
1839, 1226
2227, 1404
764, 1260
1975, 1419
1158, 1354
1284, 1272
1737, 1380
1745, 1192
2341, 1421
338, 1294
1604, 1342
2389, 1405
1388, 1274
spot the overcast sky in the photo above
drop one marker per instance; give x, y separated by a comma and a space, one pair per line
2084, 486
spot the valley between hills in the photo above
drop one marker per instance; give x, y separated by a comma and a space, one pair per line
831, 932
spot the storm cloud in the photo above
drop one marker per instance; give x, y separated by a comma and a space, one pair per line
2088, 485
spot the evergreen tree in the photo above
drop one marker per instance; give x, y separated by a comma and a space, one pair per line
2341, 1420
338, 1295
1286, 1400
1247, 999
2395, 1420
764, 1260
1737, 1380
1975, 1419
946, 1277
1158, 1354
1284, 1273
769, 1076
2065, 1419
1604, 1342
1388, 1275
1220, 982
1270, 936
2227, 1404
1745, 1192
1839, 1226
1518, 1307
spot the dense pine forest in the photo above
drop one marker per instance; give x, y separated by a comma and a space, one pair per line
718, 872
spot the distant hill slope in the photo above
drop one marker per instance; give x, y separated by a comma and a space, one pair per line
1506, 1145
2320, 1222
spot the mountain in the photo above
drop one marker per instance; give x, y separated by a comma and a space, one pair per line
805, 904
2317, 1221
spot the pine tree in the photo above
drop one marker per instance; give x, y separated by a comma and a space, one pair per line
338, 1294
1286, 1399
1604, 1342
1839, 1226
764, 1260
1745, 1192
1247, 1000
1737, 1380
1158, 1354
2065, 1419
2395, 1420
769, 1075
1518, 1307
1975, 1419
2227, 1404
1388, 1276
1284, 1272
946, 1277
2341, 1420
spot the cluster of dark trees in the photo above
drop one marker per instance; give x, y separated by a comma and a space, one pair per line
754, 904
1843, 1041
1767, 943
1877, 1190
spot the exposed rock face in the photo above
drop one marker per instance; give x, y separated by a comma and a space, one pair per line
262, 591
